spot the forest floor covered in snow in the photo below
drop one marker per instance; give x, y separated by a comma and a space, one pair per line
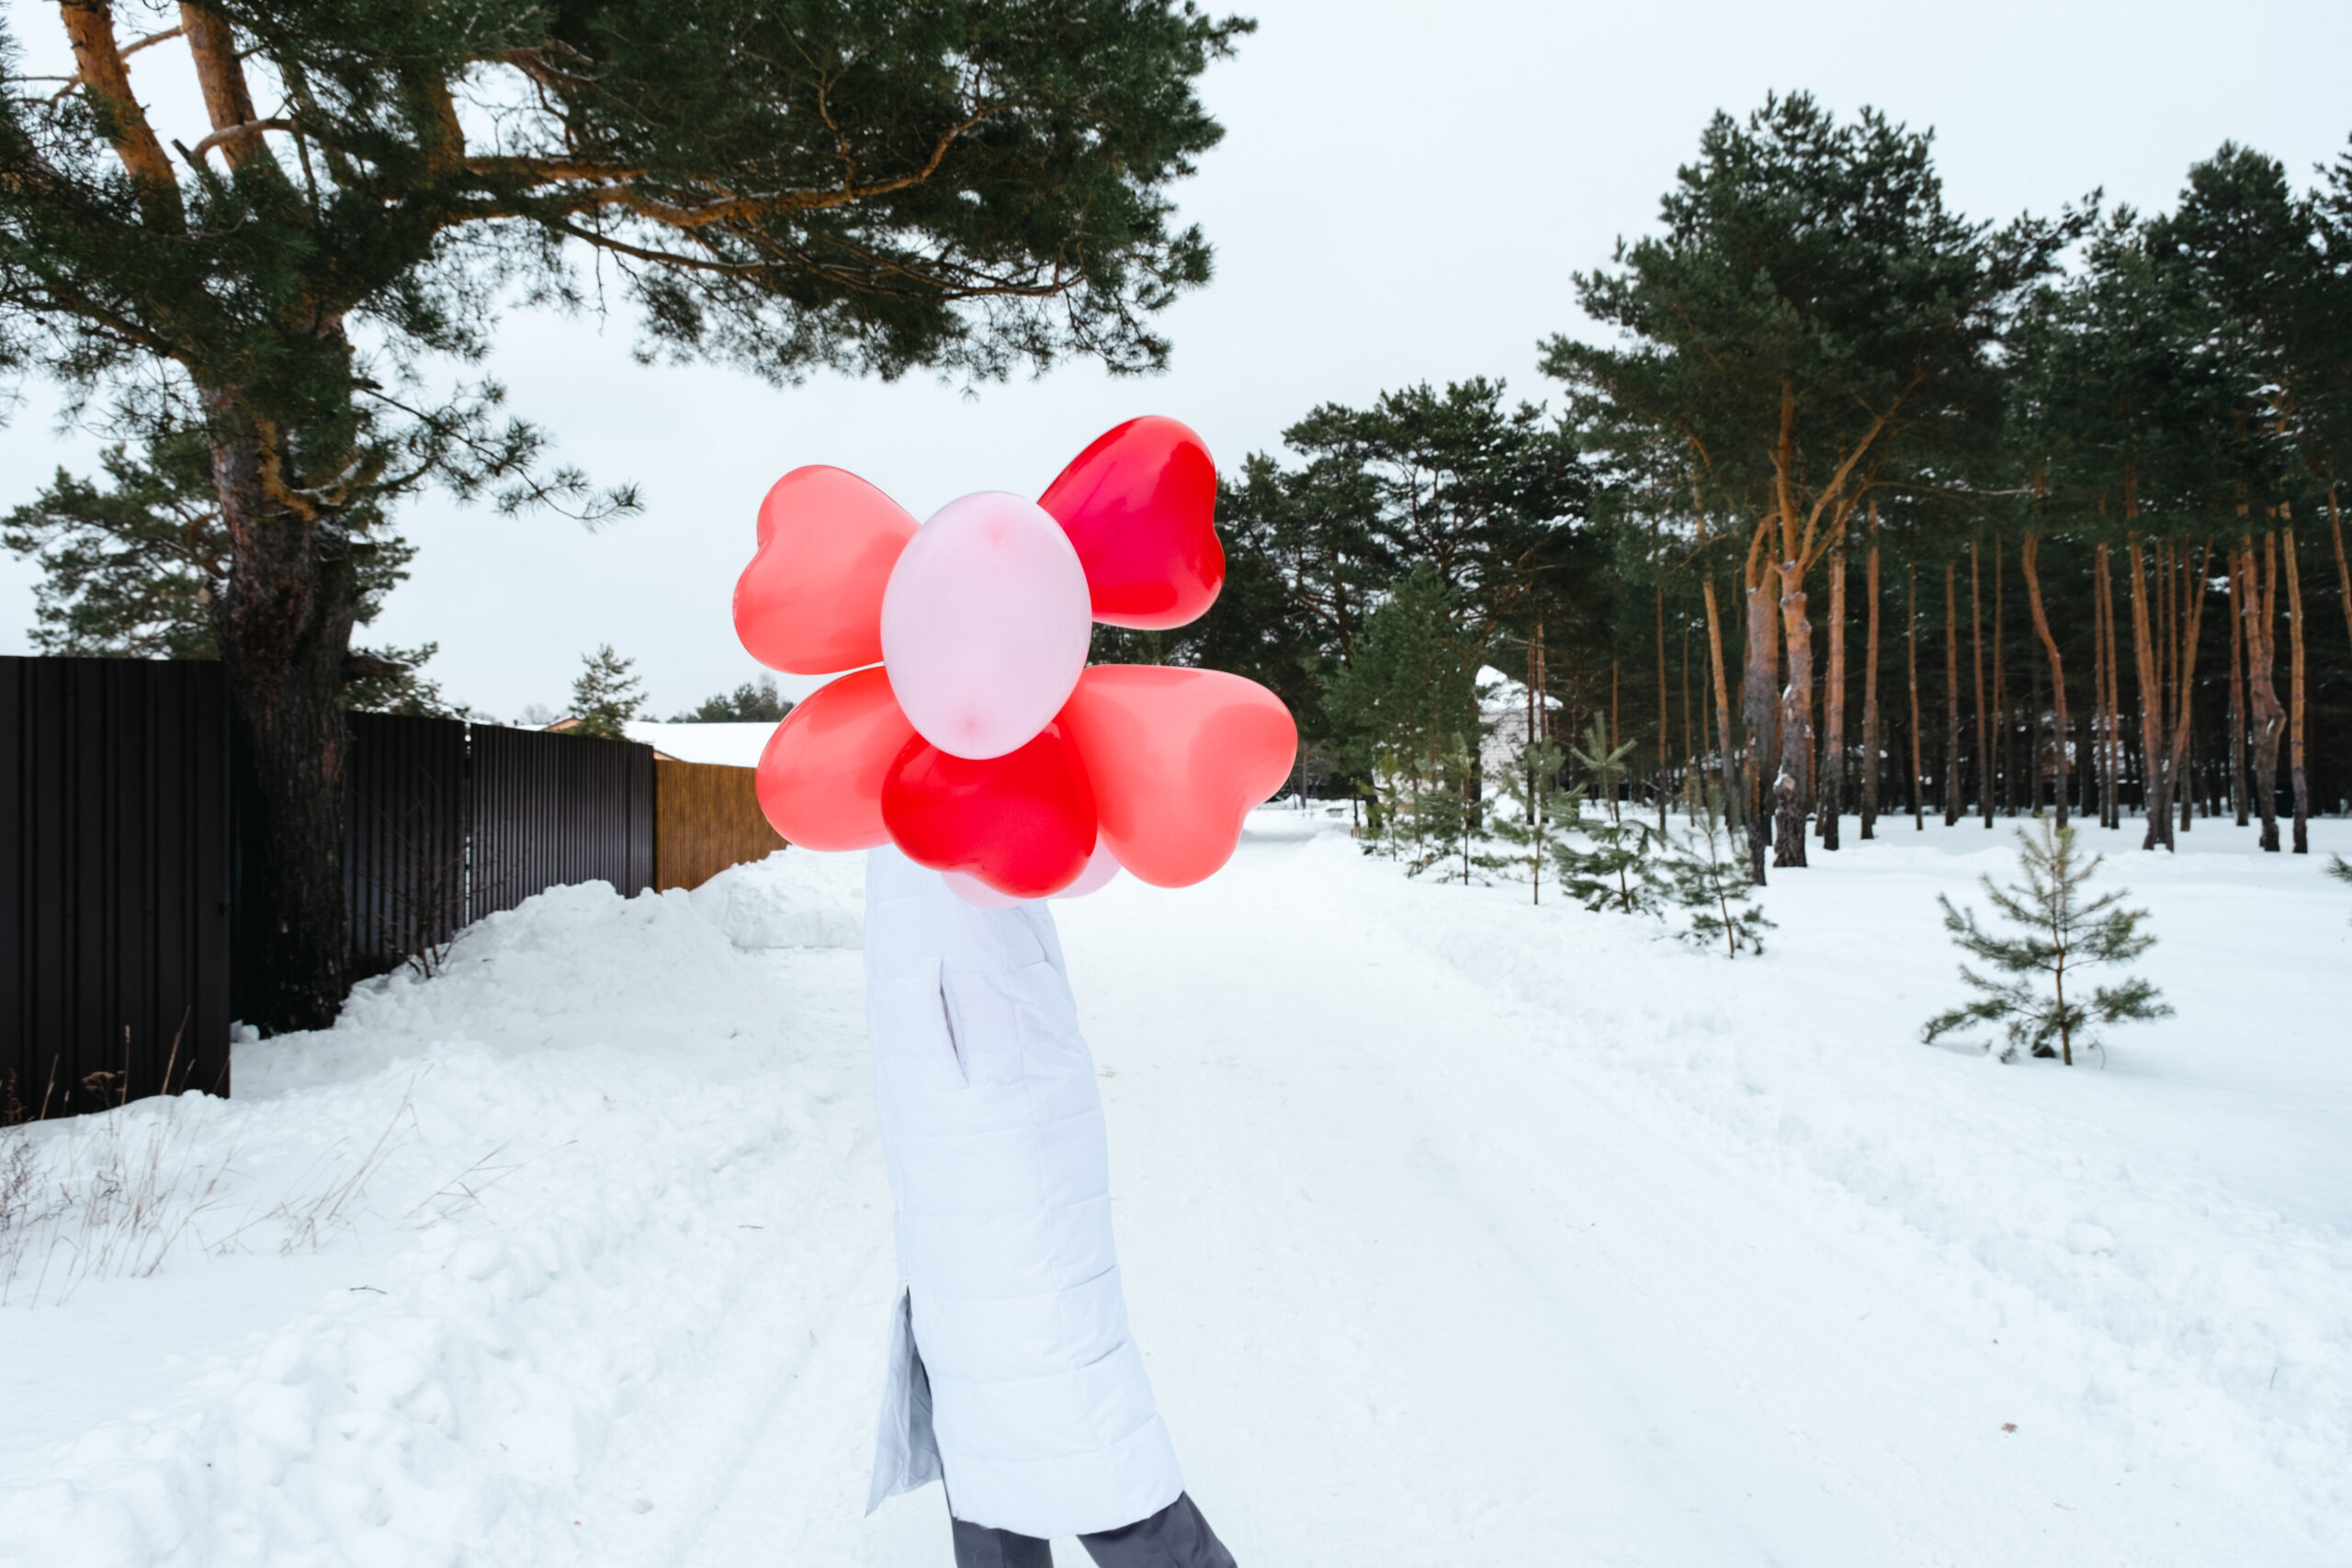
1456, 1232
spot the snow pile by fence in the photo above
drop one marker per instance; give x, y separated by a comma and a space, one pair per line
788, 900
523, 1192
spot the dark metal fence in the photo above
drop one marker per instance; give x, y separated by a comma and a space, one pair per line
114, 882
404, 814
117, 859
551, 808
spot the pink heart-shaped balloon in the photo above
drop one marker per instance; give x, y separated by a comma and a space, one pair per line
810, 602
1178, 759
1140, 507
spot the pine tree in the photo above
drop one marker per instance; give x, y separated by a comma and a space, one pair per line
1542, 812
134, 566
959, 186
2061, 933
748, 703
1708, 878
606, 695
1405, 707
1619, 870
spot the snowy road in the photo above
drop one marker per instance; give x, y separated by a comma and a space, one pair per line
1456, 1234
1416, 1291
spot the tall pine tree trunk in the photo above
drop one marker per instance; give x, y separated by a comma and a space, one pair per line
1664, 769
1756, 690
2155, 794
2192, 619
2295, 704
1872, 735
2001, 683
1951, 695
2268, 718
2170, 563
1723, 701
283, 619
283, 623
1976, 657
1833, 716
2237, 689
1792, 791
2117, 763
1918, 813
2057, 672
2095, 775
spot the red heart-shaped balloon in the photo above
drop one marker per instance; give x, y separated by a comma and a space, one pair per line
1140, 505
1023, 823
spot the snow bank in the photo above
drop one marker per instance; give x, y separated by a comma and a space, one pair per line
2174, 1220
564, 1159
790, 899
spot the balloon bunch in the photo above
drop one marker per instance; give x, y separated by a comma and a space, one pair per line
970, 730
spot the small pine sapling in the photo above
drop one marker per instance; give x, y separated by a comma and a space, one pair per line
1707, 876
1541, 811
2061, 933
1620, 870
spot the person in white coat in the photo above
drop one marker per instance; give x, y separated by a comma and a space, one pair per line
1012, 1376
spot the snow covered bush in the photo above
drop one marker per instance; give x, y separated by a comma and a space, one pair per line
2059, 931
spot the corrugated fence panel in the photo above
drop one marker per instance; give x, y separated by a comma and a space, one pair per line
114, 882
708, 819
117, 846
550, 808
403, 837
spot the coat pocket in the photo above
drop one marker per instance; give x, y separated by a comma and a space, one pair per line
985, 1023
957, 1050
913, 1040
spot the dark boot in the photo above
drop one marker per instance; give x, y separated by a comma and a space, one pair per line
1176, 1537
976, 1546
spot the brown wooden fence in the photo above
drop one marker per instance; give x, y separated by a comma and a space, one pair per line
707, 818
114, 882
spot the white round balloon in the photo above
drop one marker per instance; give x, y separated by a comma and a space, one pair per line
986, 624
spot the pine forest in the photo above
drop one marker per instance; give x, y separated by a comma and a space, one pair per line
1846, 510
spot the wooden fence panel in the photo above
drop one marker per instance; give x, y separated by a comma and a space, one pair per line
708, 817
548, 808
114, 882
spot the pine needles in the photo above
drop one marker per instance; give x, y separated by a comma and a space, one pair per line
2061, 932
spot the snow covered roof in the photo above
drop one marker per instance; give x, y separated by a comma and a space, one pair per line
736, 745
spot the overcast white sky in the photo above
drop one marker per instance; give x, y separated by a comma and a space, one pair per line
1402, 195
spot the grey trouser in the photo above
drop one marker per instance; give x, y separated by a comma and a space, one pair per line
1176, 1537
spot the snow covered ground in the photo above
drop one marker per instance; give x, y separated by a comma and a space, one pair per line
1457, 1232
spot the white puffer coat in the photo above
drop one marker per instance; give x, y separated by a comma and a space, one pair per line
1010, 1364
